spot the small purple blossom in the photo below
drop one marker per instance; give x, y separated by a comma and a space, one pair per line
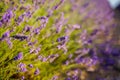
30, 65
64, 38
9, 43
37, 72
19, 56
19, 37
22, 67
23, 77
55, 7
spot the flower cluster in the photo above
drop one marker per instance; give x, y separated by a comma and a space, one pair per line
57, 40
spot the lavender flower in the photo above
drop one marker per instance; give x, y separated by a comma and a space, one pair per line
22, 67
37, 31
40, 57
5, 35
19, 37
55, 7
94, 32
26, 29
20, 19
30, 65
37, 72
64, 38
19, 56
0, 23
9, 43
76, 26
23, 77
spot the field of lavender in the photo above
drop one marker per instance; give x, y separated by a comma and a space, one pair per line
58, 40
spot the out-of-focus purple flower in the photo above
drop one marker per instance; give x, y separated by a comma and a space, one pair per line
64, 38
106, 62
30, 65
85, 5
40, 57
60, 22
0, 23
50, 12
115, 52
6, 17
6, 34
68, 78
91, 52
37, 72
20, 19
44, 59
55, 7
37, 50
26, 29
94, 32
76, 26
9, 43
54, 78
19, 56
75, 78
23, 77
19, 37
37, 31
22, 67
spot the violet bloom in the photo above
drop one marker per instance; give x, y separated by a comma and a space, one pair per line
20, 19
94, 32
64, 38
30, 65
6, 34
115, 52
36, 31
20, 37
22, 67
0, 23
37, 72
22, 78
55, 7
9, 43
19, 56
26, 29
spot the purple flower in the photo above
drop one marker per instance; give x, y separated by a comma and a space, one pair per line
30, 65
26, 29
68, 78
55, 7
6, 34
37, 31
20, 37
22, 67
9, 42
37, 72
64, 38
115, 52
76, 26
94, 32
22, 78
0, 23
19, 56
